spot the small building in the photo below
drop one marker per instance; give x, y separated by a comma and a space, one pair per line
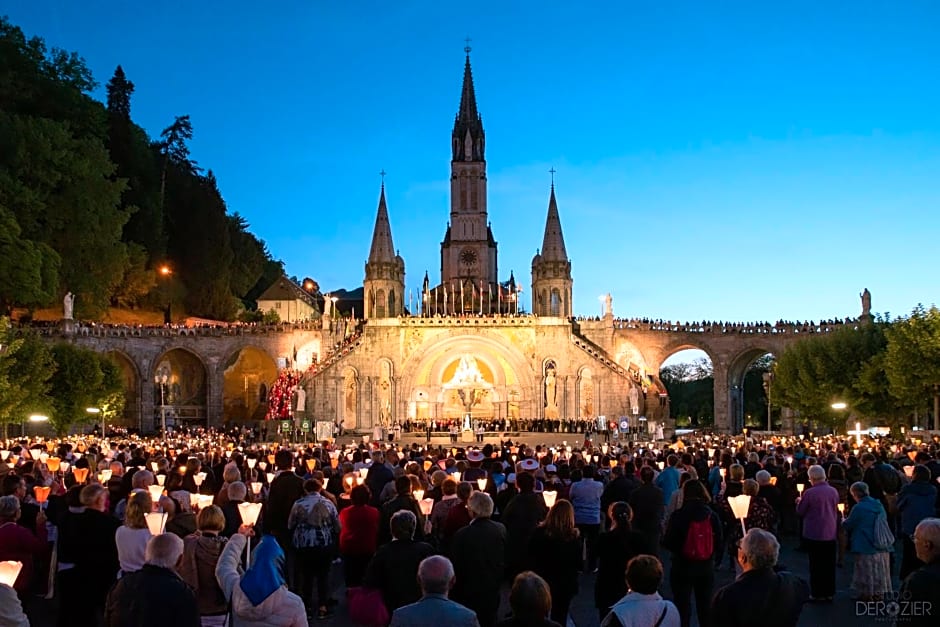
291, 302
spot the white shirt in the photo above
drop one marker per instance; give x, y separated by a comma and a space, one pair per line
131, 544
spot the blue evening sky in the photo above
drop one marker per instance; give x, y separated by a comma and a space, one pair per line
716, 160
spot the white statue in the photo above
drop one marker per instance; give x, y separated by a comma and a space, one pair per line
67, 303
550, 388
327, 303
608, 305
466, 422
634, 400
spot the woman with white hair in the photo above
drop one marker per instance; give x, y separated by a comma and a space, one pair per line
818, 507
872, 544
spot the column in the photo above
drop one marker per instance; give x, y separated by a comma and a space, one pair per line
148, 405
722, 398
214, 406
398, 413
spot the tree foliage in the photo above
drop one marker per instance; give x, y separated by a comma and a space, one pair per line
90, 204
83, 378
912, 360
26, 368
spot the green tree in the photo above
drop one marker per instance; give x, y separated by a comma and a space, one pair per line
83, 378
29, 271
912, 360
845, 365
26, 367
691, 392
119, 95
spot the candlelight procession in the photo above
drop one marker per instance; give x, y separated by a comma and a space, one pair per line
212, 528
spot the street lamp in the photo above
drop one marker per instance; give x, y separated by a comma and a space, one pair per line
161, 379
165, 271
768, 381
35, 418
95, 411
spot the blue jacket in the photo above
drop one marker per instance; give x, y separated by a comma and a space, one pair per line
917, 501
861, 526
434, 610
668, 481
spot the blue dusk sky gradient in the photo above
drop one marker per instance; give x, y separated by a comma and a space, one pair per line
716, 160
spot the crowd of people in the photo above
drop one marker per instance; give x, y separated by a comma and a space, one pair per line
712, 326
212, 529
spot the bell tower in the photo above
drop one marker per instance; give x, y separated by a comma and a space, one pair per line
551, 269
468, 251
384, 285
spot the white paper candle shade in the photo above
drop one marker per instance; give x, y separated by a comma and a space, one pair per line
104, 476
252, 462
249, 512
418, 494
909, 471
154, 466
161, 479
156, 491
198, 478
193, 499
262, 466
481, 483
156, 521
270, 477
799, 488
34, 453
256, 487
43, 457
4, 455
456, 477
739, 506
426, 505
9, 571
549, 497
363, 472
205, 500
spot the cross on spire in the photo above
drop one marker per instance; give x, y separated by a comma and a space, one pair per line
382, 174
467, 47
552, 171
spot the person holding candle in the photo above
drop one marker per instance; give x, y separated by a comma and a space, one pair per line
394, 566
237, 492
692, 536
359, 529
916, 501
88, 559
554, 553
817, 506
404, 500
201, 552
478, 553
154, 595
521, 516
15, 485
314, 526
615, 548
760, 595
21, 545
131, 538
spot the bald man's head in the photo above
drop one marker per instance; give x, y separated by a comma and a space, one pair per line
927, 540
436, 575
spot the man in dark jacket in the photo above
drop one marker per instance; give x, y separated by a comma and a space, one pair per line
521, 517
921, 589
379, 476
403, 501
621, 486
286, 488
478, 553
394, 567
760, 596
154, 595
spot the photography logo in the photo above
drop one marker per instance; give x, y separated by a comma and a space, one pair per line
894, 607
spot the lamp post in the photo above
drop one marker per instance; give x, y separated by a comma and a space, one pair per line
96, 411
768, 381
165, 271
161, 379
35, 418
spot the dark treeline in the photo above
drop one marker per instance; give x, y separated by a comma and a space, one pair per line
89, 203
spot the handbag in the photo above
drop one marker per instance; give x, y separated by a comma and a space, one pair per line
367, 607
884, 539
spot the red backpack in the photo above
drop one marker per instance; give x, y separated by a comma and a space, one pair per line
699, 543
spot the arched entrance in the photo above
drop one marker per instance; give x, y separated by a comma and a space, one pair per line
180, 389
688, 375
246, 380
129, 417
747, 395
480, 376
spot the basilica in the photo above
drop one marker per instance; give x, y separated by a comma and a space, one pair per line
466, 353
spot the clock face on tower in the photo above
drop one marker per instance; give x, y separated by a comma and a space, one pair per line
468, 256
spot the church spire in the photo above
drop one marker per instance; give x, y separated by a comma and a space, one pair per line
382, 251
553, 243
468, 137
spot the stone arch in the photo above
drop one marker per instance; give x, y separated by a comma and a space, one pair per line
671, 402
307, 354
246, 374
736, 371
130, 415
185, 395
496, 357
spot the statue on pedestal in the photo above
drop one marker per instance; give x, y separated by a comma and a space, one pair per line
608, 305
67, 305
866, 303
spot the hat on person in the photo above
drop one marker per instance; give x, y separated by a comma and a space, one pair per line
529, 464
511, 478
551, 468
475, 456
